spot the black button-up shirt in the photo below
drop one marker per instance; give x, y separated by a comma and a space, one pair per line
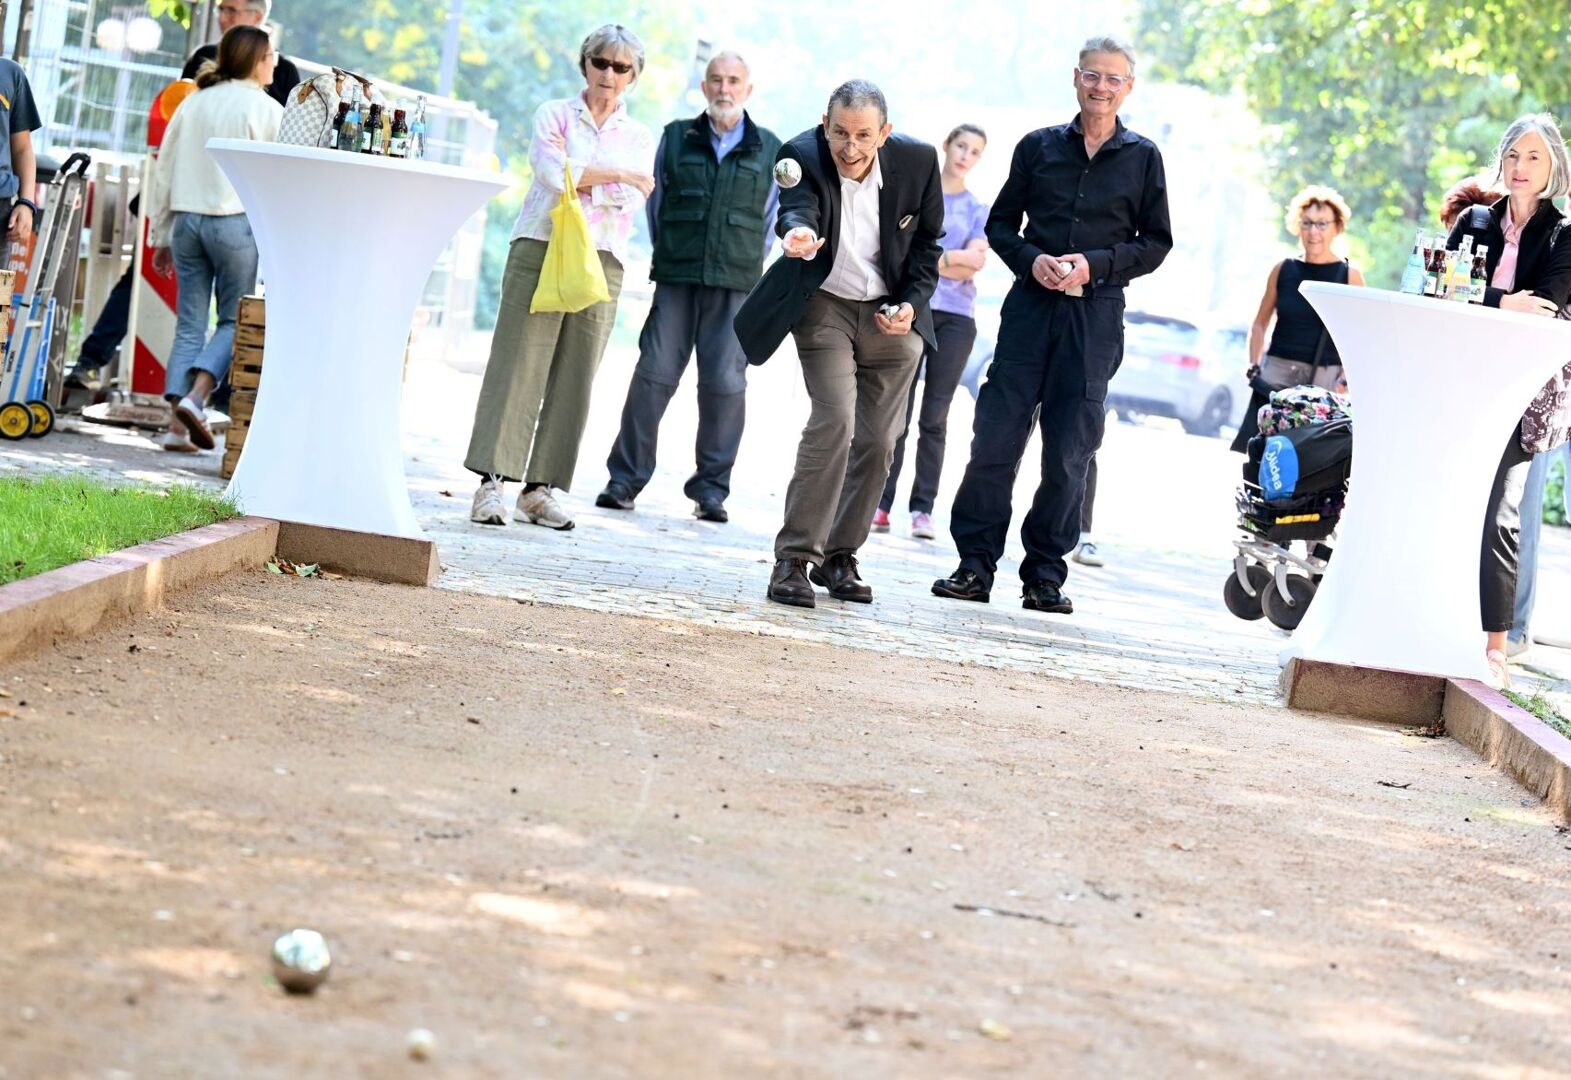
1111, 208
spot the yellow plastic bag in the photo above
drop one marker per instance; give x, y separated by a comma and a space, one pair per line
571, 278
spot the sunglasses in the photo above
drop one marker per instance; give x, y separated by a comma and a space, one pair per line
602, 64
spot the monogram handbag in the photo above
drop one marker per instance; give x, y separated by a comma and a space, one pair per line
308, 118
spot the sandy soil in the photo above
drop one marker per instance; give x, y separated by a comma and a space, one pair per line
575, 845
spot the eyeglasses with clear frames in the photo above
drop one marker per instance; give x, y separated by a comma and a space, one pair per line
1305, 225
1092, 79
861, 142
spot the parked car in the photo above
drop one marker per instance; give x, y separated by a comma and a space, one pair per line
1172, 367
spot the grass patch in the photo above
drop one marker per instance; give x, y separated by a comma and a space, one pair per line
1543, 708
52, 521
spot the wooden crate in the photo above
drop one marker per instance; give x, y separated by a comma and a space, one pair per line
253, 311
249, 336
245, 370
226, 468
242, 403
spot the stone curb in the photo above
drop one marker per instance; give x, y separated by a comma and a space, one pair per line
1511, 738
74, 600
1508, 737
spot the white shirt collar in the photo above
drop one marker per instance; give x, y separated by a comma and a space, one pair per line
581, 103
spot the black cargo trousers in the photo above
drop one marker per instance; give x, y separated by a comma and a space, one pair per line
1055, 353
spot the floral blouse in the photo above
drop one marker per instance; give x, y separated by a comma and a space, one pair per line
565, 133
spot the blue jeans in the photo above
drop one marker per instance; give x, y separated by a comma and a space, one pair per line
213, 255
1532, 522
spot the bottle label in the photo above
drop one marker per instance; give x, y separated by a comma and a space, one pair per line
399, 147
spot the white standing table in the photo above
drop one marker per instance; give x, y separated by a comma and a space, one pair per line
346, 244
1437, 388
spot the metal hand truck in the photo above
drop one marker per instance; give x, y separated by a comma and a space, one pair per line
32, 375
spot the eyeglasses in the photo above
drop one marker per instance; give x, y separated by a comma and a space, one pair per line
601, 64
1092, 79
861, 142
1306, 225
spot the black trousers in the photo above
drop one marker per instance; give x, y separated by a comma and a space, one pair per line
941, 371
1056, 353
684, 318
109, 329
1502, 535
1088, 504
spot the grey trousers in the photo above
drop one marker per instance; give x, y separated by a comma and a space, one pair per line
534, 399
858, 378
681, 319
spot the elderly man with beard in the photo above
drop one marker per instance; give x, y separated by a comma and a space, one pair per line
711, 218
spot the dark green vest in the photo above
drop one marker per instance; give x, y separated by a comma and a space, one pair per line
711, 225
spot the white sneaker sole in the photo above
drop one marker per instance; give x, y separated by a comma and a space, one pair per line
523, 517
488, 519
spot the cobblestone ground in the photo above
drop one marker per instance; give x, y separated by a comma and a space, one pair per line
1152, 618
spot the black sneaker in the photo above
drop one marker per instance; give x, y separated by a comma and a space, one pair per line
1044, 596
614, 497
963, 584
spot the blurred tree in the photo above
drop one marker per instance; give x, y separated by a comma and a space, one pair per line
1389, 101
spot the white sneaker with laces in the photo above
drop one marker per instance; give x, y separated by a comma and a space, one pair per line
1086, 554
489, 507
538, 507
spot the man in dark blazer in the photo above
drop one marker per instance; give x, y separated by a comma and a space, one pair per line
859, 234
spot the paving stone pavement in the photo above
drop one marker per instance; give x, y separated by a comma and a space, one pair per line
1152, 619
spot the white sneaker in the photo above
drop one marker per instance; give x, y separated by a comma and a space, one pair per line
169, 440
489, 507
1086, 554
538, 507
194, 417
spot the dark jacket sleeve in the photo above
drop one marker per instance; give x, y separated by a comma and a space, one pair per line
1122, 263
1555, 285
921, 269
799, 206
194, 63
1007, 217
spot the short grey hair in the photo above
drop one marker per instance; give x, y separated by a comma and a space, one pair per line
729, 54
1106, 43
859, 94
1559, 165
264, 6
615, 37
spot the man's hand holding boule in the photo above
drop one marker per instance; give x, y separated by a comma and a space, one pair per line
899, 324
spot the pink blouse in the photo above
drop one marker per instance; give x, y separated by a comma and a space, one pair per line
1505, 269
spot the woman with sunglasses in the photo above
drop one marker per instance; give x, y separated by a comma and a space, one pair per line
1317, 216
535, 396
1528, 269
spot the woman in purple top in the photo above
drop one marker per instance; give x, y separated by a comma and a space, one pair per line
954, 305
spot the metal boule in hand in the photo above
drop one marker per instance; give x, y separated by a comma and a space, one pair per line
301, 961
788, 174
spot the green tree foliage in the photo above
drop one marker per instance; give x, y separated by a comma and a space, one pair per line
1389, 101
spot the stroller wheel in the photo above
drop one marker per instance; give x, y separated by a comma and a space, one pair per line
1288, 613
16, 420
1238, 601
43, 418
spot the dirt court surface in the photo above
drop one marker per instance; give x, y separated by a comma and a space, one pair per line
580, 845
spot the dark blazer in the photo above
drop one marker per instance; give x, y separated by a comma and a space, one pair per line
1543, 268
910, 219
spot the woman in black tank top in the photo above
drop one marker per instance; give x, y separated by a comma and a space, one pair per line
1317, 215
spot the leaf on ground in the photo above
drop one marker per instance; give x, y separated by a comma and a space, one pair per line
1393, 783
308, 570
445, 494
274, 568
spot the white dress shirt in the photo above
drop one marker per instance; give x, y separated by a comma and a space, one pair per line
185, 178
855, 275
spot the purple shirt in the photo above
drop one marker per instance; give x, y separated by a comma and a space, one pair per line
965, 219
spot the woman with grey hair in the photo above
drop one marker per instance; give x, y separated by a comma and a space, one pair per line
534, 399
1528, 269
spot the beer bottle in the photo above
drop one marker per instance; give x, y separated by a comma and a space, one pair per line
1436, 271
1413, 274
398, 139
1459, 282
1479, 276
338, 123
349, 132
371, 140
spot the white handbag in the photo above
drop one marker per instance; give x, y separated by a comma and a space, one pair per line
308, 117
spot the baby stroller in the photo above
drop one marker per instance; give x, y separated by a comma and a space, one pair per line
1294, 489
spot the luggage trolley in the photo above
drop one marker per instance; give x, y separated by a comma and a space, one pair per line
32, 374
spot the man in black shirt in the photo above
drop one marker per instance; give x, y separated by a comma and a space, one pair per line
1094, 198
232, 13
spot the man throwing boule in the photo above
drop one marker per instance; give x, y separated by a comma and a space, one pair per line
859, 233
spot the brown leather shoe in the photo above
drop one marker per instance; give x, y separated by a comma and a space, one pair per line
839, 576
788, 584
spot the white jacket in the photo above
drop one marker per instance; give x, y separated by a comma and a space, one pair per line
185, 177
